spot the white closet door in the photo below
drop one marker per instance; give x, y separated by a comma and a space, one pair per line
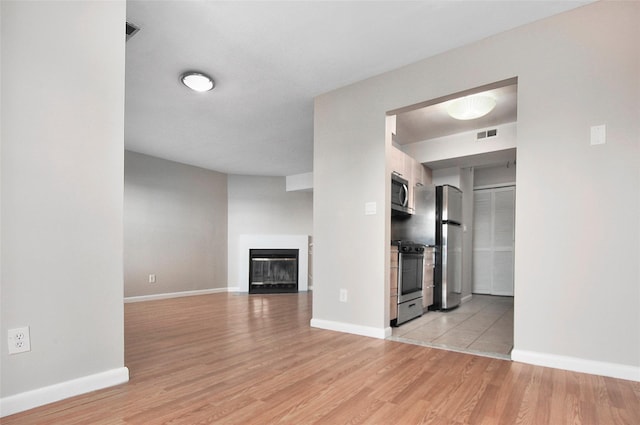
482, 243
493, 241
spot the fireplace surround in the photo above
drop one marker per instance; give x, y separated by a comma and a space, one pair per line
247, 242
273, 271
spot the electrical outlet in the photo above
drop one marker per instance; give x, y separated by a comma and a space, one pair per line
343, 295
152, 278
19, 341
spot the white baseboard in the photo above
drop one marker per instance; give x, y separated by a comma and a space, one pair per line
52, 393
380, 333
177, 294
613, 370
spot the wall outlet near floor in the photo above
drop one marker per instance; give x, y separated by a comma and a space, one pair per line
152, 278
343, 295
19, 340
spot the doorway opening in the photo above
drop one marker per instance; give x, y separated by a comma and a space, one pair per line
466, 154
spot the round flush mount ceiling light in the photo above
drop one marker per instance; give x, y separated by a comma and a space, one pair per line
471, 107
197, 81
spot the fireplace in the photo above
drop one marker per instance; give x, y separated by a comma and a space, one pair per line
273, 271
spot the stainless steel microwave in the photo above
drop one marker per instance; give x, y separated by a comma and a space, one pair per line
399, 195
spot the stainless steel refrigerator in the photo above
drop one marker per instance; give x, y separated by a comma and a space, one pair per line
438, 222
448, 265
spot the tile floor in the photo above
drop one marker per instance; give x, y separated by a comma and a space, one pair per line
483, 325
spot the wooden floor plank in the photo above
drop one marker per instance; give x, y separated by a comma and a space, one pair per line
240, 359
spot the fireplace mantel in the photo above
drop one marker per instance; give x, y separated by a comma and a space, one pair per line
247, 242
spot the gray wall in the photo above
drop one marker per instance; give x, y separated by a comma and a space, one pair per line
575, 70
262, 206
62, 148
175, 226
495, 175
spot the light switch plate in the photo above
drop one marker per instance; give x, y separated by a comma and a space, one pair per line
598, 134
370, 208
343, 295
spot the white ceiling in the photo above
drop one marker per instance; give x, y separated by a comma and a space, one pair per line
270, 59
433, 121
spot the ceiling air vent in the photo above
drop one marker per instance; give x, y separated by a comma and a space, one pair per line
486, 134
130, 30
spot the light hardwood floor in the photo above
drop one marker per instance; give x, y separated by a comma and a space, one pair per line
239, 359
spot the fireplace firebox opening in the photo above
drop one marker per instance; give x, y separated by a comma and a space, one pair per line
273, 271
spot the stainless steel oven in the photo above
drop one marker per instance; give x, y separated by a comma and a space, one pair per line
410, 279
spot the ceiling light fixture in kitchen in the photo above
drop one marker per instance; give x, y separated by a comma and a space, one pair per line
471, 107
197, 81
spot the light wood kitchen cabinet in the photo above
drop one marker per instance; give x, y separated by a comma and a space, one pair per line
416, 179
397, 162
411, 170
393, 283
402, 164
418, 173
427, 283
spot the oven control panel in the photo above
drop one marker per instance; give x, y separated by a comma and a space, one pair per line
408, 247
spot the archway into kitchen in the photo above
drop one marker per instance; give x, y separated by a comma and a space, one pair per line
430, 148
